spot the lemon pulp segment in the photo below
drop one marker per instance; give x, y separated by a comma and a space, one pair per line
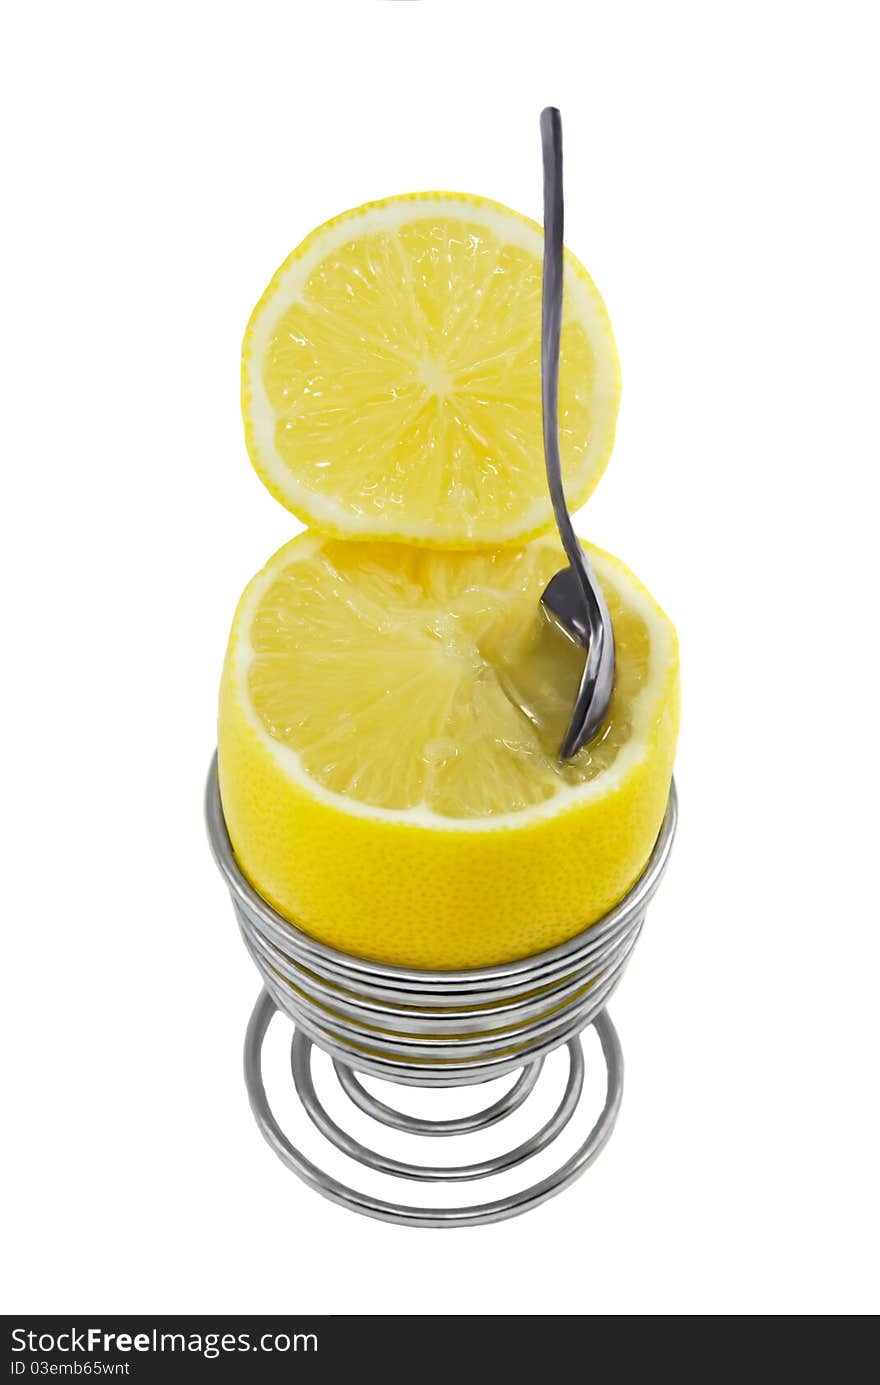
408, 679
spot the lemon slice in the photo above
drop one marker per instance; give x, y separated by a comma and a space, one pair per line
391, 376
389, 722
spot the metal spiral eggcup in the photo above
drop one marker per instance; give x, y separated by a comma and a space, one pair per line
435, 1029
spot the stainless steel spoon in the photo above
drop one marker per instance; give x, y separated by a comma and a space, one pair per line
573, 597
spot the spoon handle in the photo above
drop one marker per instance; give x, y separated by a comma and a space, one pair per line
597, 679
551, 331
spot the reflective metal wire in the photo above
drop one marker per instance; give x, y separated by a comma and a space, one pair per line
434, 1029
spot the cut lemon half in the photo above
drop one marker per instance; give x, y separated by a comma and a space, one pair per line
388, 734
391, 376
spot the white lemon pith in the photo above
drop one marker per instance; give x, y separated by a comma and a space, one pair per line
389, 726
391, 376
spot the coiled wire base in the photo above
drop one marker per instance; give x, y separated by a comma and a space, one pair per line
429, 1029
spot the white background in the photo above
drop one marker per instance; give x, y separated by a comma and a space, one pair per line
721, 187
